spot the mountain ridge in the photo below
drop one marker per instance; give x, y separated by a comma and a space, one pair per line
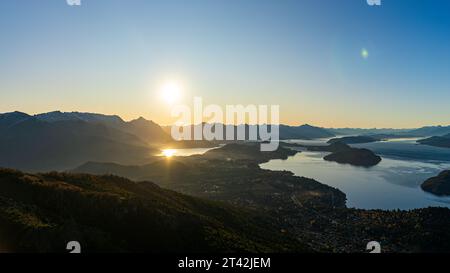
58, 141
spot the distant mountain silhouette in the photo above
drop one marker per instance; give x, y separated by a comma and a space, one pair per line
9, 119
77, 116
417, 132
146, 130
305, 131
364, 131
431, 131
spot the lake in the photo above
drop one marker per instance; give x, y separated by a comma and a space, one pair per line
392, 184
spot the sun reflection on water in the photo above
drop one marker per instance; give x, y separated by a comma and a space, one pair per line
169, 152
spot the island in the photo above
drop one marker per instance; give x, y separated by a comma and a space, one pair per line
354, 139
438, 185
356, 157
344, 154
361, 139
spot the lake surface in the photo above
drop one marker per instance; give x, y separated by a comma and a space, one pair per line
392, 184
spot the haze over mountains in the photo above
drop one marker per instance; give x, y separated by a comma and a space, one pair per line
417, 132
60, 140
431, 131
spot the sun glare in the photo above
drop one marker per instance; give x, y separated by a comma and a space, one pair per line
169, 152
171, 92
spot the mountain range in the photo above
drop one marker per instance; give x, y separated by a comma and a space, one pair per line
63, 140
425, 131
431, 131
59, 140
306, 131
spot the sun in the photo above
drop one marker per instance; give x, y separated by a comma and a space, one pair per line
171, 92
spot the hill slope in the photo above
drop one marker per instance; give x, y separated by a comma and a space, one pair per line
41, 213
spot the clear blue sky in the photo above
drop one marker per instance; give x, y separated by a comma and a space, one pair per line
112, 56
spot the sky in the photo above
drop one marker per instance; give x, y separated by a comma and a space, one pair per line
324, 62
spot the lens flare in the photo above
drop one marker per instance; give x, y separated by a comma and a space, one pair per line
364, 53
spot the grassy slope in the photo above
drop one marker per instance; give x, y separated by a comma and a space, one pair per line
41, 213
